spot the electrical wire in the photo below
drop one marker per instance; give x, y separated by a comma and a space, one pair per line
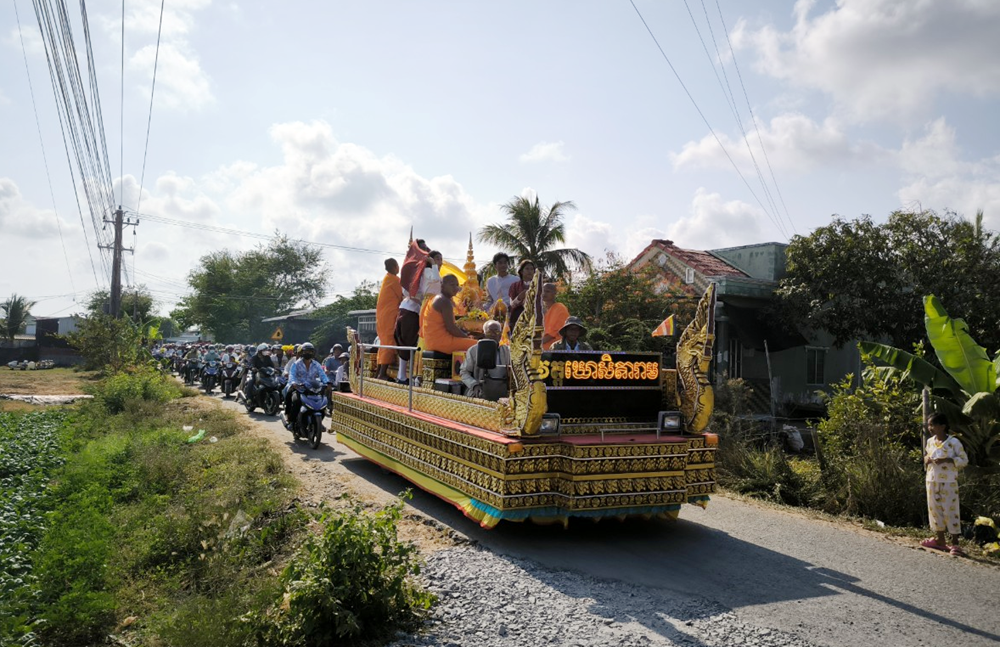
702, 114
121, 132
149, 120
727, 90
753, 118
41, 142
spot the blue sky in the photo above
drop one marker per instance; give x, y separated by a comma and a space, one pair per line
349, 122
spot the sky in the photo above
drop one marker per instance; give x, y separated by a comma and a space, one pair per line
709, 123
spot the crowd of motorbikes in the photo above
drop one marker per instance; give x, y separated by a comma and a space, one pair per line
257, 385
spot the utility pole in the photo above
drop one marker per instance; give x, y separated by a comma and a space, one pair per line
119, 223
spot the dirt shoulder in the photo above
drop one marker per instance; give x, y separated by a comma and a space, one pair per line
51, 381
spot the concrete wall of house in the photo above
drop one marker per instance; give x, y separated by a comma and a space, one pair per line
790, 366
765, 261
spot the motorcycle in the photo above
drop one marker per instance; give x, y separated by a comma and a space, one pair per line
210, 376
192, 369
230, 378
178, 364
266, 392
308, 423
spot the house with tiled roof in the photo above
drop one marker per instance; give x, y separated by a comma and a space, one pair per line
785, 368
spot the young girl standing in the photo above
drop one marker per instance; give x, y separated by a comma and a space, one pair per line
943, 457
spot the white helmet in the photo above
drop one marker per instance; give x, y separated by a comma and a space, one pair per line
263, 347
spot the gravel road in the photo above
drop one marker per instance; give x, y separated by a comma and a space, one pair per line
735, 574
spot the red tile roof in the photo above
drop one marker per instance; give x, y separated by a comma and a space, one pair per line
701, 261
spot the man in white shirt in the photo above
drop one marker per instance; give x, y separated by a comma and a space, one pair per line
498, 286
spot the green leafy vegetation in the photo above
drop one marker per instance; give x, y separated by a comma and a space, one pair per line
349, 585
29, 454
335, 321
111, 523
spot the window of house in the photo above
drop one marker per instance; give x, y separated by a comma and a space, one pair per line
735, 358
815, 366
689, 275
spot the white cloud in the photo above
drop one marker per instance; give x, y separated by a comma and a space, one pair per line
144, 16
591, 236
20, 218
181, 83
32, 39
3, 99
714, 222
939, 179
793, 142
342, 193
883, 59
546, 152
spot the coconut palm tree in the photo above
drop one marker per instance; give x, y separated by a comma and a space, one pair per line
529, 233
15, 313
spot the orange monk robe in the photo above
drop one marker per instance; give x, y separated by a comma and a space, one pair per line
555, 319
437, 338
386, 311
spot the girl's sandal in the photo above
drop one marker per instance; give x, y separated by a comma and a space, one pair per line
956, 550
933, 544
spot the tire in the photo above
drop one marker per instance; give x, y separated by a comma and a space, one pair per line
271, 403
250, 406
315, 432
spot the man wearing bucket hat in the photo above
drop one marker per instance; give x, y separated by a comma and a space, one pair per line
571, 333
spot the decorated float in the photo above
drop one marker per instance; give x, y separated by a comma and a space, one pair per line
581, 434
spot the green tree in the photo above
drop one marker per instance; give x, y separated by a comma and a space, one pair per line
529, 233
233, 291
108, 344
15, 314
137, 304
335, 319
858, 279
622, 307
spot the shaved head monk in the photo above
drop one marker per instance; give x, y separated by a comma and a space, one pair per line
441, 333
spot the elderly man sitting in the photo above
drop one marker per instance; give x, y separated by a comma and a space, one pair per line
481, 383
572, 332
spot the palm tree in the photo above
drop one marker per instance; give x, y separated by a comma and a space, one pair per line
15, 311
528, 233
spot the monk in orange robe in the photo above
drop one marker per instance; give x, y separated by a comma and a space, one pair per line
441, 333
556, 315
386, 311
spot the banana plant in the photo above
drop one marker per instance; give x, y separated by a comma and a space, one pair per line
965, 388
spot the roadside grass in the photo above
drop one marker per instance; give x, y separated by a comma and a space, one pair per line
155, 540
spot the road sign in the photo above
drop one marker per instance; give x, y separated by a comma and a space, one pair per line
277, 335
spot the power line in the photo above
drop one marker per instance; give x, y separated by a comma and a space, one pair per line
702, 115
727, 91
121, 132
754, 118
41, 142
54, 65
250, 234
149, 120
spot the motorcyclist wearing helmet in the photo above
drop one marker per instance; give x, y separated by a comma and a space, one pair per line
278, 357
211, 355
303, 371
260, 360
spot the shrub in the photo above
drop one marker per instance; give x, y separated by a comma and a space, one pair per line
145, 384
349, 584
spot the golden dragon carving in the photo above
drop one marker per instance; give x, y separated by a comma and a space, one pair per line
521, 413
694, 355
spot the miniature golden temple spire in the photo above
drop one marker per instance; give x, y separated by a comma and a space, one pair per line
470, 266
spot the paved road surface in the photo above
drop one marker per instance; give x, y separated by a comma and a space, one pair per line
825, 582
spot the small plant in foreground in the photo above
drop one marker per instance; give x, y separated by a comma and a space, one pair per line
350, 584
